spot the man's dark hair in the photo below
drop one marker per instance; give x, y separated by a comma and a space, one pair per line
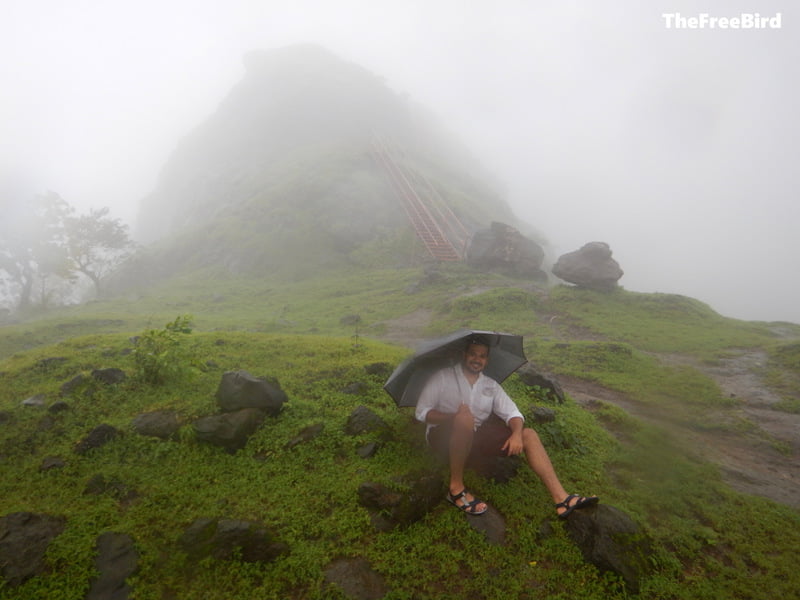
477, 339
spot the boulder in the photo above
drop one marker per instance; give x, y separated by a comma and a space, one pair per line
240, 389
24, 539
591, 267
229, 430
116, 560
503, 248
609, 539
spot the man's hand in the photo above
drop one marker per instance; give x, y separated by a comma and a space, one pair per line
464, 416
464, 408
513, 445
437, 417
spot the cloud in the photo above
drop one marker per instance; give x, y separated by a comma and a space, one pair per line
677, 147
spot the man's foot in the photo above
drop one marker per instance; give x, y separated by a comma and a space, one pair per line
466, 502
574, 502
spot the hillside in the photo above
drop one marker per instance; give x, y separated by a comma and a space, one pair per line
654, 355
283, 178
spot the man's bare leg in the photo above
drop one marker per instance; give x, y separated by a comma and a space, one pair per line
540, 463
461, 437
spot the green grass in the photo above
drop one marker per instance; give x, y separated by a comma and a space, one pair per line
656, 322
783, 375
319, 306
708, 539
709, 542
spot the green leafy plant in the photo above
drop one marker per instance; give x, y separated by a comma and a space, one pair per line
161, 354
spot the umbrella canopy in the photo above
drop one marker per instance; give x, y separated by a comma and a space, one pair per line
406, 382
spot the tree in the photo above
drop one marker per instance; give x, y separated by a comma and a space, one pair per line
97, 244
44, 245
33, 251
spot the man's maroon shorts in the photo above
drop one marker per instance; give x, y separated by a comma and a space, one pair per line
488, 441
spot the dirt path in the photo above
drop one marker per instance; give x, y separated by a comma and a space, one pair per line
750, 462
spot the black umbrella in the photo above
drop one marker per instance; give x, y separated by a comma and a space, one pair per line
505, 356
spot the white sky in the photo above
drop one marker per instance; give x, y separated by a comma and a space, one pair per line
679, 148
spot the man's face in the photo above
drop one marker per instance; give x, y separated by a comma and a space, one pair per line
476, 357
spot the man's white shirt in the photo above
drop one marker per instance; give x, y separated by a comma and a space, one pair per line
448, 388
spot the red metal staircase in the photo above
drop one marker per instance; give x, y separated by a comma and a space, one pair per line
434, 223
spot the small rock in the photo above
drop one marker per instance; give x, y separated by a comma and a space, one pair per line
381, 369
160, 423
117, 559
24, 539
73, 385
97, 437
37, 401
52, 462
58, 407
363, 420
542, 414
307, 434
355, 388
110, 376
368, 450
356, 579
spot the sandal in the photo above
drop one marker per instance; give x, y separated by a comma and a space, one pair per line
583, 502
467, 507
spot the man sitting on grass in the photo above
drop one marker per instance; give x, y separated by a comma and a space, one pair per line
459, 405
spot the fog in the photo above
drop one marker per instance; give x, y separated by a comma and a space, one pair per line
677, 147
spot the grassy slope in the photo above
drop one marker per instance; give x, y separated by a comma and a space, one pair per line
712, 542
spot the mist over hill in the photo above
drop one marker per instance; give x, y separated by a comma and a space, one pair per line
284, 170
